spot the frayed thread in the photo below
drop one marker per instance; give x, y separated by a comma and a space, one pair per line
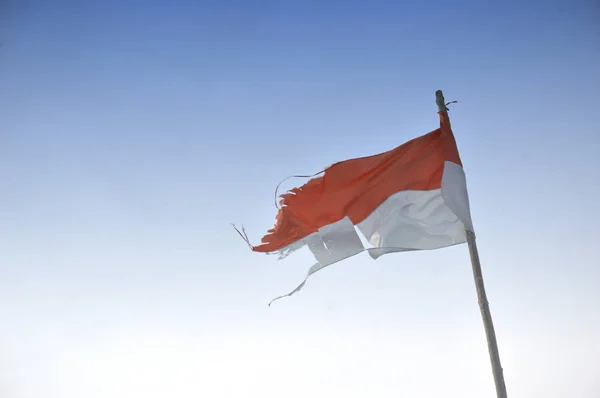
286, 251
281, 254
244, 235
287, 178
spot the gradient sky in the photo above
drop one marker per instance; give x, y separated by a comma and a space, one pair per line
133, 133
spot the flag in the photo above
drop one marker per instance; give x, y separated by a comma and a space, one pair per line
413, 197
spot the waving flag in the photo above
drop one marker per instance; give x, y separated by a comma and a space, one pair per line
413, 197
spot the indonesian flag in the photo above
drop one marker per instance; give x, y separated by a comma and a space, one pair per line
413, 197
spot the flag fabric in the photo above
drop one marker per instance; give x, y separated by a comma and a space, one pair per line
413, 197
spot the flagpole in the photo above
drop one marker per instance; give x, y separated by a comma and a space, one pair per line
481, 295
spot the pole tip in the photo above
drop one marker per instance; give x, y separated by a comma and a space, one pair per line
440, 101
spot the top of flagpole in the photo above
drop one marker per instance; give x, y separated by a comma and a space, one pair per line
440, 101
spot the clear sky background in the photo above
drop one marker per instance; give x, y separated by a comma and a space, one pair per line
133, 133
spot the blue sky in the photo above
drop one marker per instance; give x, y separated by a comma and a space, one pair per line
134, 133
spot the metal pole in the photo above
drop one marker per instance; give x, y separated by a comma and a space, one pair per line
481, 295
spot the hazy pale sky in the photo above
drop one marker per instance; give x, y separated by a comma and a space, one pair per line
133, 133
